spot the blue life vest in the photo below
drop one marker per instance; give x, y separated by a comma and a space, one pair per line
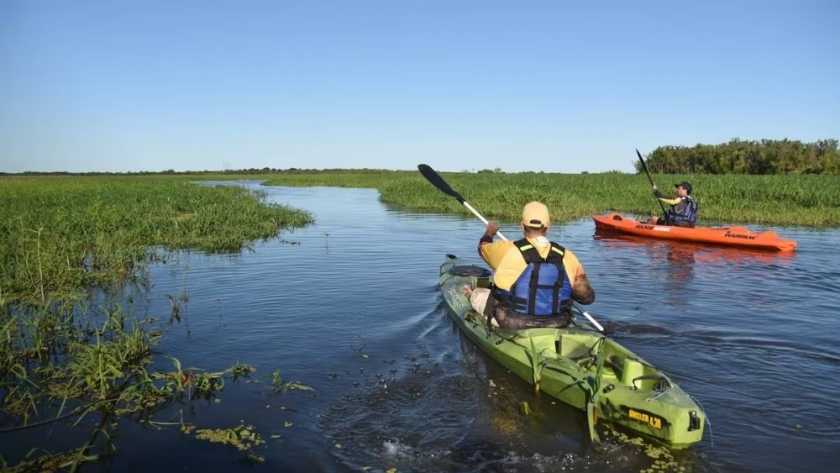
688, 214
543, 289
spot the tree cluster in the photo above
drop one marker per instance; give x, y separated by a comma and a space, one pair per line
747, 157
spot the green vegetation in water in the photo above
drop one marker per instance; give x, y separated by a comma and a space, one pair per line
807, 200
662, 459
69, 233
71, 349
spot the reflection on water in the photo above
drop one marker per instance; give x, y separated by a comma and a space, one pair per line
673, 262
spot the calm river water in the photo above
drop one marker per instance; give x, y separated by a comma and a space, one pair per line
349, 307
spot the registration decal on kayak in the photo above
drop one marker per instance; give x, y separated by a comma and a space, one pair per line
650, 419
456, 298
655, 228
728, 234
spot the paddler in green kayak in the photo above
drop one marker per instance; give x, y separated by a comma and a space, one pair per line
535, 279
683, 208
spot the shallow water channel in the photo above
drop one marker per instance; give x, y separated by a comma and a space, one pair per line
349, 307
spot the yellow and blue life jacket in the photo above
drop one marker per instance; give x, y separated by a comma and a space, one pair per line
543, 288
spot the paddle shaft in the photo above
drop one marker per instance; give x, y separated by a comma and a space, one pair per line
438, 181
644, 166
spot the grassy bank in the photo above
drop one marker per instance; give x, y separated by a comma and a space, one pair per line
70, 346
808, 200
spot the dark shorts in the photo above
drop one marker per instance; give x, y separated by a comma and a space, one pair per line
662, 222
516, 321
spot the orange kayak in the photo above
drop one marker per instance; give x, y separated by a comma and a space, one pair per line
729, 236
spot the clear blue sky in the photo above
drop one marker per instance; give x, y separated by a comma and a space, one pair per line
555, 86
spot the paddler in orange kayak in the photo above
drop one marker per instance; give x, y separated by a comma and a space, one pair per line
683, 209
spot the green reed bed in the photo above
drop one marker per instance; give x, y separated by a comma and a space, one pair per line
71, 349
807, 200
68, 232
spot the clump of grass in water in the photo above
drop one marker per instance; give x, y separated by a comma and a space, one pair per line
808, 200
71, 349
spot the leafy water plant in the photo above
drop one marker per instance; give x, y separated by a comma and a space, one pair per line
75, 254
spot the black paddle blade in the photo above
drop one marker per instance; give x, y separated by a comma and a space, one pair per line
438, 181
644, 166
642, 160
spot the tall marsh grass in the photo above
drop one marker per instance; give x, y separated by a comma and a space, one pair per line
70, 346
807, 200
66, 233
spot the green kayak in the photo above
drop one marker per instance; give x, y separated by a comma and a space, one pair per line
579, 366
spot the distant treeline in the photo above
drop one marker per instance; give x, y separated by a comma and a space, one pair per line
747, 157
